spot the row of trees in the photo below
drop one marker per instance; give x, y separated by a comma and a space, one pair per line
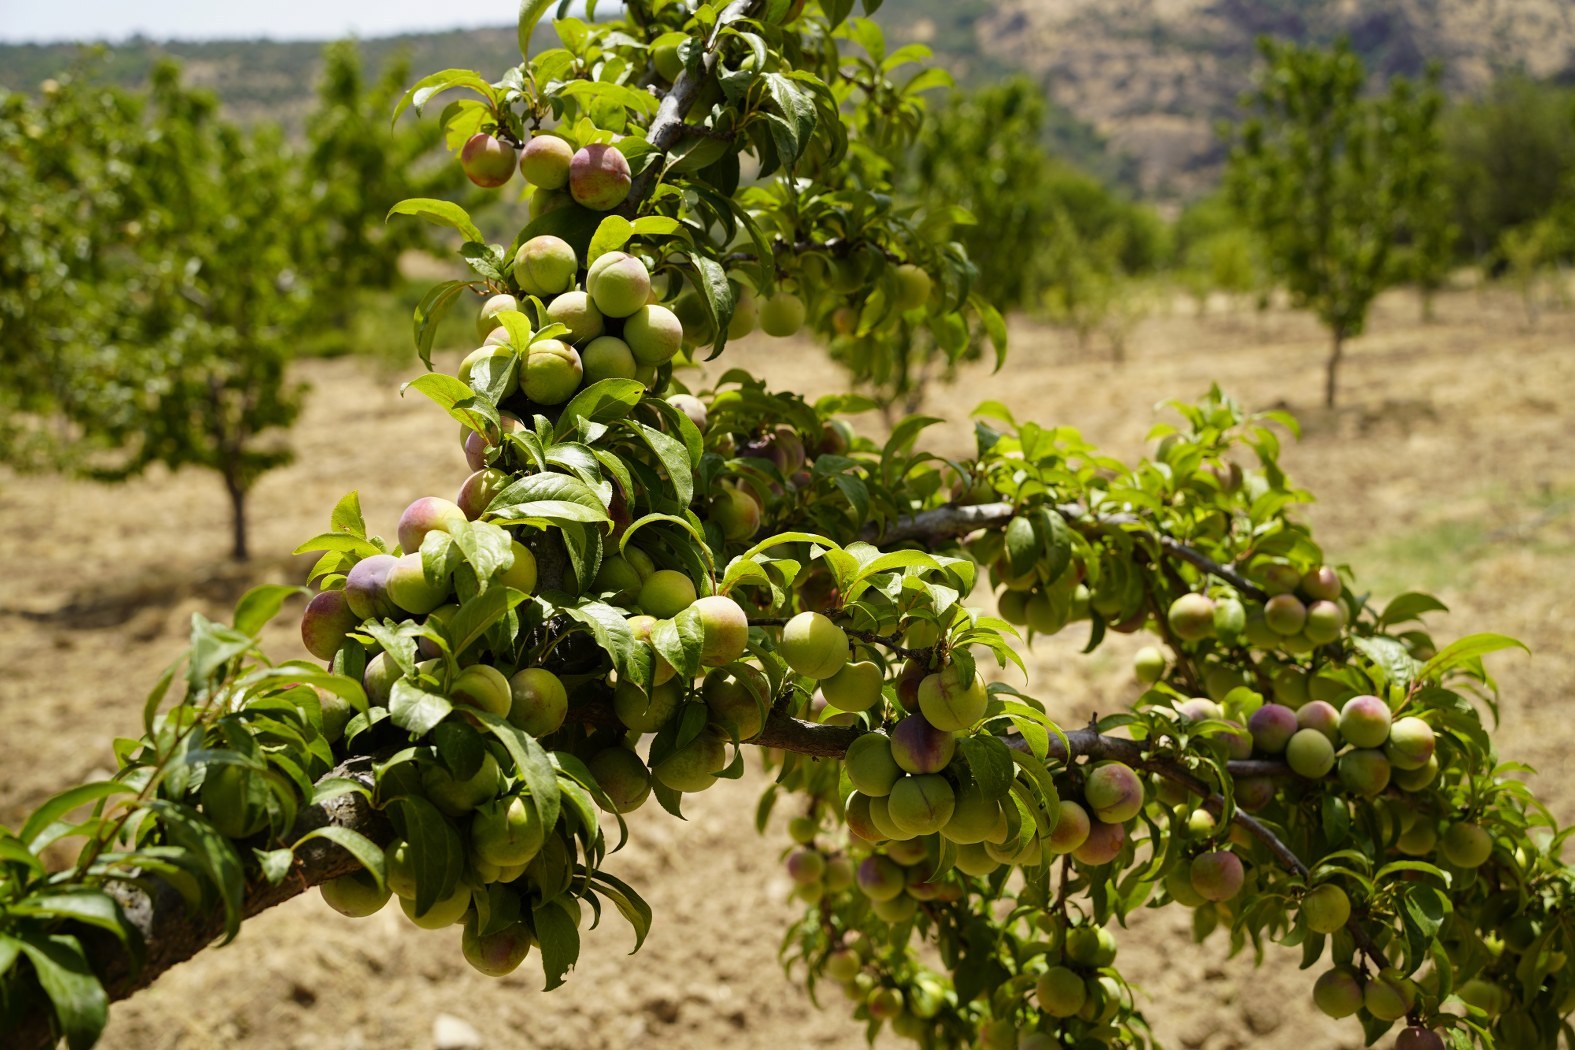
160, 267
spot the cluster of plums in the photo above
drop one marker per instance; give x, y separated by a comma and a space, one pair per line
1302, 611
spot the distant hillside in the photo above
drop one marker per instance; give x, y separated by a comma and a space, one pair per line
1137, 86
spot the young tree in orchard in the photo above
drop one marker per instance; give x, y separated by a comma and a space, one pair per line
637, 583
1321, 173
166, 289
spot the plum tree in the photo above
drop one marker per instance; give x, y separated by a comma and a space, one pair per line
460, 756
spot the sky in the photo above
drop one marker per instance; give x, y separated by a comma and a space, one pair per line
39, 21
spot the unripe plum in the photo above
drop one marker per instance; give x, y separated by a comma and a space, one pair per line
738, 697
694, 766
913, 287
622, 776
857, 687
599, 177
1199, 708
973, 859
884, 1004
1272, 727
654, 334
476, 445
880, 878
922, 804
975, 818
949, 704
444, 912
496, 954
1364, 721
1467, 845
544, 201
487, 319
539, 702
454, 797
1310, 754
1419, 839
1290, 686
736, 513
813, 646
607, 357
1230, 620
1285, 614
1103, 844
746, 313
1415, 779
579, 314
907, 853
1114, 793
1191, 617
647, 714
880, 816
545, 265
1322, 716
725, 627
488, 162
1325, 621
1387, 996
666, 593
1217, 876
1179, 885
620, 287
521, 573
1148, 666
1411, 743
1326, 908
782, 315
1253, 793
1090, 946
805, 866
552, 372
326, 621
839, 875
692, 407
1337, 992
920, 747
409, 589
379, 677
356, 894
1061, 992
234, 800
870, 765
506, 831
545, 162
428, 514
640, 626
1279, 578
484, 688
1071, 828
1364, 771
856, 812
366, 585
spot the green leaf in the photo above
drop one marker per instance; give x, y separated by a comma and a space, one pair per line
59, 805
82, 904
559, 939
274, 864
674, 457
435, 847
459, 400
610, 629
1410, 606
442, 213
1465, 651
629, 904
425, 88
717, 295
602, 402
339, 541
548, 497
531, 761
261, 604
368, 853
613, 233
415, 710
79, 1000
991, 763
346, 516
432, 308
530, 13
476, 616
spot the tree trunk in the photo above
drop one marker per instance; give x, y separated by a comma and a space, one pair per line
237, 493
1333, 368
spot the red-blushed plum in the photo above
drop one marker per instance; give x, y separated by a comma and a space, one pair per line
856, 811
1322, 716
1102, 844
366, 586
488, 162
1272, 727
484, 688
1218, 875
692, 407
736, 513
880, 878
1325, 621
1285, 614
326, 621
1071, 828
1364, 721
1113, 792
805, 866
1322, 583
428, 514
599, 177
1410, 745
1191, 617
478, 491
919, 747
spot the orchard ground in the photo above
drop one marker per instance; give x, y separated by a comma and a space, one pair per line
1449, 466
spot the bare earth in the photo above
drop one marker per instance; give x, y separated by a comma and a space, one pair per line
1449, 464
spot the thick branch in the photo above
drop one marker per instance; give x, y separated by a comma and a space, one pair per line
174, 933
667, 127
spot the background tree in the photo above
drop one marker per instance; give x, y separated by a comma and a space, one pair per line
1428, 227
1317, 171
